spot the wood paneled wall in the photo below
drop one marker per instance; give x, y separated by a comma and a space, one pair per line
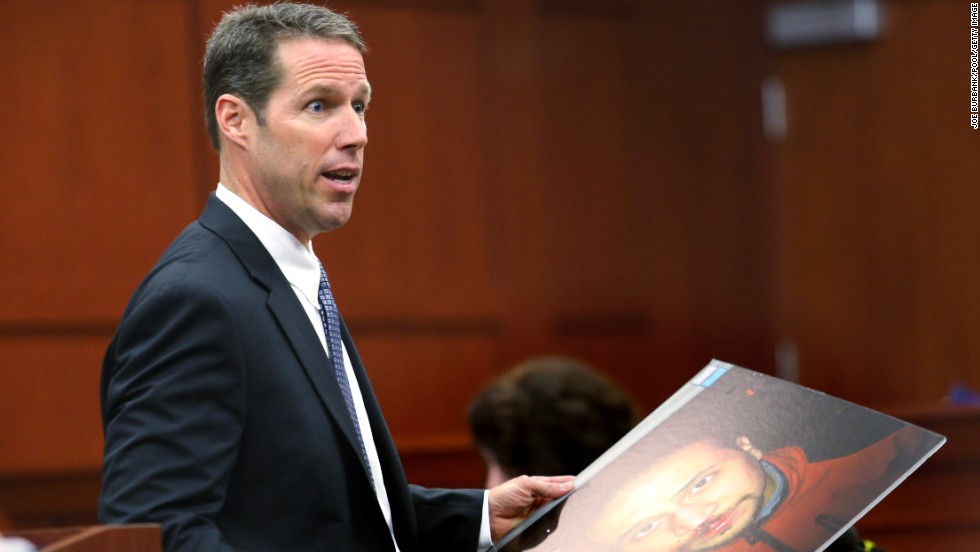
875, 193
585, 177
99, 173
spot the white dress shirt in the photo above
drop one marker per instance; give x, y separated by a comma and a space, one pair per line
302, 269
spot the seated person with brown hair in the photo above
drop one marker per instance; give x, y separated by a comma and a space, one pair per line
548, 415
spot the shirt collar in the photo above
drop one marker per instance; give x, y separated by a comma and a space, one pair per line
780, 485
296, 260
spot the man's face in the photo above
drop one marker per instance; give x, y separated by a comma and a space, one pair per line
306, 160
697, 498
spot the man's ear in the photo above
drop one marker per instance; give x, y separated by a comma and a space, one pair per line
745, 444
236, 120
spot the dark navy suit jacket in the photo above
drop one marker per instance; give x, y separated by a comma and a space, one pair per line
224, 424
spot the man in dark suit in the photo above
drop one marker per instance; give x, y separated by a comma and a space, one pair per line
236, 411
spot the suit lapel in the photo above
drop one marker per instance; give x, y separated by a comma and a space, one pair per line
287, 311
396, 484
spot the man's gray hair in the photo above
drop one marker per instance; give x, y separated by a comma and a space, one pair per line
240, 58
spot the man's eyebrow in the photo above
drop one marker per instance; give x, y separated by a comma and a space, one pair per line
322, 89
329, 90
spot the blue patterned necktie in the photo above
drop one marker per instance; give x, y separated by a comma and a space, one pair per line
331, 327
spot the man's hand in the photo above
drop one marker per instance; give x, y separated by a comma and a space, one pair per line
511, 502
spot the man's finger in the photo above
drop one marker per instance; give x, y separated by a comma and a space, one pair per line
551, 486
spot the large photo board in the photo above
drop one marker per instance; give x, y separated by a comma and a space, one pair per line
735, 461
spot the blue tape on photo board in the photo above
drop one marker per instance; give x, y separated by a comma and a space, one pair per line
711, 373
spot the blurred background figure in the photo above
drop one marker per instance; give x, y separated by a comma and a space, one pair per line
548, 416
851, 541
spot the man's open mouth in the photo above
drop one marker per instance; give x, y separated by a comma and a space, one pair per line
340, 176
717, 525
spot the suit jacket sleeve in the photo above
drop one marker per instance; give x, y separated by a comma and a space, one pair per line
173, 412
448, 519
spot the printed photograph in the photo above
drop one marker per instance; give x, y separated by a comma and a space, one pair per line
746, 462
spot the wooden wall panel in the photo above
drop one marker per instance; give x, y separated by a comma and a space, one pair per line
60, 499
567, 235
50, 406
699, 186
99, 174
876, 196
424, 382
607, 147
583, 221
96, 166
515, 137
97, 177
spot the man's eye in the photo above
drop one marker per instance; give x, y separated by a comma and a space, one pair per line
647, 528
702, 483
316, 106
359, 107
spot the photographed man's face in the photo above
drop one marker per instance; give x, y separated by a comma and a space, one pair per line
307, 158
697, 498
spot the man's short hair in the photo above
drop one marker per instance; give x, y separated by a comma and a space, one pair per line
240, 57
550, 416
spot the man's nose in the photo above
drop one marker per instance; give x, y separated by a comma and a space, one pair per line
353, 131
689, 518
